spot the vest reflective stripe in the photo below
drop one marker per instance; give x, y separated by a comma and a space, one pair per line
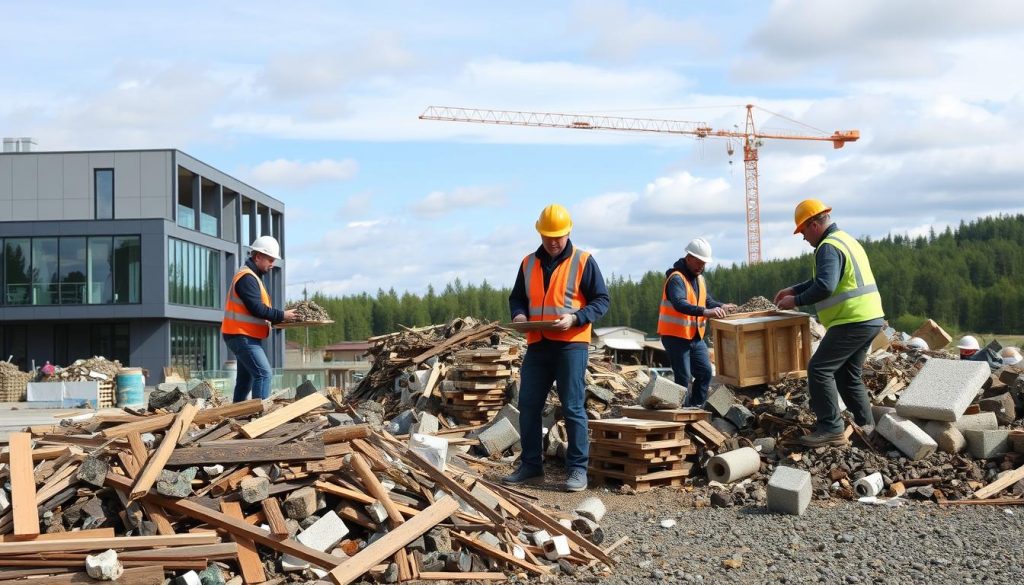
237, 318
562, 296
676, 324
856, 297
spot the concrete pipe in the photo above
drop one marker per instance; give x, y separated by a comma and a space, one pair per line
869, 486
734, 465
592, 508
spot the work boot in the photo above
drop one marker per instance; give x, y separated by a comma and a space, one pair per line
820, 439
524, 475
577, 480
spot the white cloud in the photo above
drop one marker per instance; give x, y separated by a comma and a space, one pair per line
621, 32
298, 174
438, 203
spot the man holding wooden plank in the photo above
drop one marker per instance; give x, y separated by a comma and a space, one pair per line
844, 294
562, 285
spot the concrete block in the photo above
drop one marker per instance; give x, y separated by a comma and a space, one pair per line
725, 427
540, 537
104, 566
734, 465
592, 508
498, 437
556, 547
176, 485
942, 390
301, 503
946, 435
92, 471
906, 436
720, 399
982, 421
376, 512
987, 444
255, 489
433, 449
601, 394
339, 419
427, 424
1002, 406
401, 424
789, 491
661, 393
306, 388
878, 411
740, 416
324, 533
509, 413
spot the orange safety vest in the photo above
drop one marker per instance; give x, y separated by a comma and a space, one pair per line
672, 322
238, 319
562, 296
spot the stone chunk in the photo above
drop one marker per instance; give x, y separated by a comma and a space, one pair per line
306, 388
211, 575
661, 393
720, 400
104, 566
592, 508
1002, 406
301, 503
987, 444
498, 437
427, 424
401, 424
176, 485
202, 390
170, 400
601, 394
339, 419
92, 471
942, 390
255, 489
740, 416
906, 436
948, 437
789, 490
981, 421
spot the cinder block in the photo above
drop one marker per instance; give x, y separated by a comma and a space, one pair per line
92, 471
484, 495
510, 413
720, 399
725, 427
877, 411
324, 533
498, 437
301, 503
255, 489
601, 394
1002, 406
987, 444
948, 437
740, 416
339, 419
789, 491
982, 421
906, 436
661, 393
942, 390
401, 424
426, 425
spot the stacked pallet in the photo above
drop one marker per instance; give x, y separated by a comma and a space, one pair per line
475, 391
642, 453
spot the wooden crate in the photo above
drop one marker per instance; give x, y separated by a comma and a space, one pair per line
761, 347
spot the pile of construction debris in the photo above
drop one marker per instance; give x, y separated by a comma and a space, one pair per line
92, 369
265, 490
309, 312
13, 382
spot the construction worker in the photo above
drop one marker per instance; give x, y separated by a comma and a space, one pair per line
968, 346
844, 294
247, 318
682, 320
561, 283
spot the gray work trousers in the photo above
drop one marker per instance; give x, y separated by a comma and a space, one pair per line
835, 370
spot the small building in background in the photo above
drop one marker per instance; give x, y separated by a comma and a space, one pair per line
629, 346
346, 363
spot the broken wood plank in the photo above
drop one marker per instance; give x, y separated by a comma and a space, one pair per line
150, 575
456, 576
23, 486
275, 519
248, 559
373, 486
78, 534
246, 451
41, 453
237, 409
148, 425
455, 487
158, 459
499, 554
282, 415
351, 569
1000, 484
117, 542
345, 433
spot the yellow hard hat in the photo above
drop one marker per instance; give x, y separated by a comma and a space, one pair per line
554, 221
807, 209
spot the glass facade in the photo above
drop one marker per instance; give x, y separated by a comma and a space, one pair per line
193, 274
103, 186
196, 345
72, 270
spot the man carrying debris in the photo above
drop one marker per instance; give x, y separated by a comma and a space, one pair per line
844, 294
247, 318
682, 320
563, 283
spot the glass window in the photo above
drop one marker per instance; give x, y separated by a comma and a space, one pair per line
193, 274
17, 271
101, 271
186, 199
209, 208
44, 271
195, 345
72, 271
103, 185
127, 269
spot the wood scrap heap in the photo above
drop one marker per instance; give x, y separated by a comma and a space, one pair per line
262, 491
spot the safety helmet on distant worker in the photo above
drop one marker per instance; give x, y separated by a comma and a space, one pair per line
807, 209
554, 221
917, 343
1011, 356
968, 342
700, 249
267, 245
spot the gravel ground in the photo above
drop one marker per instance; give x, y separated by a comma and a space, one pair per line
835, 541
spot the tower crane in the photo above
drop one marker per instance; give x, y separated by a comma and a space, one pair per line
751, 138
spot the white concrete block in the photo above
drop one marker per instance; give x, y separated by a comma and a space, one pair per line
942, 390
906, 436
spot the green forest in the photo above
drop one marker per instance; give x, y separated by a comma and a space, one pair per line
968, 279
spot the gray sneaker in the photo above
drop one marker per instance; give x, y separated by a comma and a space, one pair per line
524, 475
577, 480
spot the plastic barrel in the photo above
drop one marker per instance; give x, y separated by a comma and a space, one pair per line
130, 387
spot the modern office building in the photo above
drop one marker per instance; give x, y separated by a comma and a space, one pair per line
125, 254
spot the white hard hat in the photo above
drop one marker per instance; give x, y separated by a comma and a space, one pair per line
917, 343
968, 342
1011, 356
700, 249
267, 245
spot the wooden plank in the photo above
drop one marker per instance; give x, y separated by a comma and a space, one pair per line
282, 415
148, 425
345, 433
248, 558
669, 415
78, 534
496, 553
245, 452
23, 486
454, 487
149, 575
275, 519
234, 410
372, 485
117, 542
158, 459
457, 339
41, 453
351, 569
456, 576
1000, 484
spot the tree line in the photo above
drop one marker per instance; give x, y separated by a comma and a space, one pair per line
968, 279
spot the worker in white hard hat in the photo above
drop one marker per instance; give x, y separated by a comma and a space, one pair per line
917, 343
685, 308
1011, 356
968, 346
248, 315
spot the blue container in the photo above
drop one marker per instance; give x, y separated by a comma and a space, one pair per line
130, 387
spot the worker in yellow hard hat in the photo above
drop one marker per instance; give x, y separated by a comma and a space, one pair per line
842, 290
561, 285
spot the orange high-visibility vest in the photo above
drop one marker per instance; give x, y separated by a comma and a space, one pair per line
562, 296
238, 319
672, 322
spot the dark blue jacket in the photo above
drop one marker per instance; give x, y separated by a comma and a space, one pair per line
248, 290
592, 288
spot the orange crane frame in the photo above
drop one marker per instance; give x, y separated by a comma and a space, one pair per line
750, 136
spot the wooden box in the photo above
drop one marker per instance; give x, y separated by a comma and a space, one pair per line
761, 347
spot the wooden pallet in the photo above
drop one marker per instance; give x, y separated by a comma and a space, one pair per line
641, 483
703, 431
629, 467
477, 384
631, 430
670, 415
106, 395
605, 450
490, 373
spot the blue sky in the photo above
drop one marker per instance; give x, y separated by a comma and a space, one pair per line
316, 103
